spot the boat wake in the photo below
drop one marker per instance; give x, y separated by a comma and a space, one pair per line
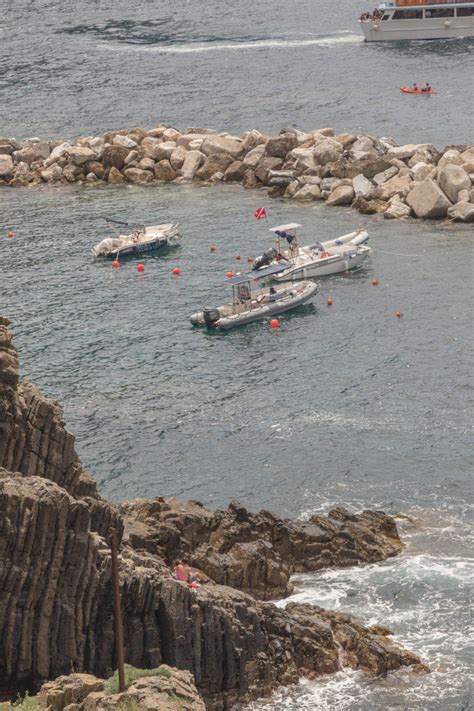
328, 41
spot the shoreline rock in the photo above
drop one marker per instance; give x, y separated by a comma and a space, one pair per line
56, 609
356, 166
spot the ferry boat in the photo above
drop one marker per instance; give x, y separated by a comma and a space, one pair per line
418, 20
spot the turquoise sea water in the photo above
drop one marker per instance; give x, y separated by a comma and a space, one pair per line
341, 405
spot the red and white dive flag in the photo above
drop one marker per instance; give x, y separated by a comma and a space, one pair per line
260, 213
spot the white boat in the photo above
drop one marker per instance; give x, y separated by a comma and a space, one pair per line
138, 241
418, 20
314, 260
251, 301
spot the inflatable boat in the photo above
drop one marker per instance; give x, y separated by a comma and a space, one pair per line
138, 241
314, 260
252, 302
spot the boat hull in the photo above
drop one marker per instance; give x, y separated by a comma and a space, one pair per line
333, 264
141, 248
417, 29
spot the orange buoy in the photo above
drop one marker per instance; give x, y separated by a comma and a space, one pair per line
140, 268
115, 264
329, 302
398, 314
10, 235
250, 260
229, 275
274, 323
375, 282
237, 256
213, 248
176, 271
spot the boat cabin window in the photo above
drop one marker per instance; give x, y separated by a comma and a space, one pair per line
408, 15
465, 11
386, 17
440, 12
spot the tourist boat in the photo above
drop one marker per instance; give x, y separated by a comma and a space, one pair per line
251, 301
138, 241
418, 20
314, 260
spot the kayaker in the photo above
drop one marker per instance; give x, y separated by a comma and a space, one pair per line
428, 86
415, 86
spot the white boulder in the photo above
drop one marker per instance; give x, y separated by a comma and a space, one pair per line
191, 164
124, 141
452, 179
221, 144
6, 166
362, 185
327, 151
341, 195
427, 200
80, 154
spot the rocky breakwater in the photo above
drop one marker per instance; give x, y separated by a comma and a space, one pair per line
374, 175
55, 576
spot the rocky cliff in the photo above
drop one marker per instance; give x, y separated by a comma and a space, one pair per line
55, 574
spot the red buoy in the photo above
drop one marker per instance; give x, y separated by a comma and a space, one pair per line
176, 271
115, 264
213, 248
274, 323
10, 235
250, 260
229, 275
329, 302
398, 314
140, 268
375, 282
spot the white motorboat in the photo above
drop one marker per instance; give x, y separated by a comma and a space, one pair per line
251, 301
314, 260
138, 241
418, 20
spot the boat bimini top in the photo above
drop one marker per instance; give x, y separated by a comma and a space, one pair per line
255, 275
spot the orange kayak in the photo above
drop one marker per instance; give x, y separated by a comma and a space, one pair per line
409, 90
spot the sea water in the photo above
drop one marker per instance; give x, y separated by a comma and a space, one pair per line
341, 405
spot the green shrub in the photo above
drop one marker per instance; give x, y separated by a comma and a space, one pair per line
25, 703
131, 675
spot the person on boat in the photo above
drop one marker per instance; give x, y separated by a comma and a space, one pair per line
272, 294
426, 88
415, 86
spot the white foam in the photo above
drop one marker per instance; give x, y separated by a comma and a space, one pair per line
329, 41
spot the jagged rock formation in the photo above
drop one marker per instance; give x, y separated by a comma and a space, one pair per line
55, 574
167, 690
257, 553
398, 181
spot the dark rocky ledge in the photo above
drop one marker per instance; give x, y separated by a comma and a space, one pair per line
55, 574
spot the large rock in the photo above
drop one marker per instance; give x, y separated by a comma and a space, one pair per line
404, 152
363, 148
462, 212
138, 176
327, 151
362, 186
267, 164
164, 171
252, 139
255, 155
216, 163
57, 153
221, 144
6, 166
304, 159
341, 195
188, 138
164, 150
52, 174
397, 210
149, 146
280, 146
451, 156
114, 156
452, 179
427, 200
385, 175
80, 154
398, 185
235, 172
177, 157
115, 177
125, 141
369, 168
308, 192
191, 164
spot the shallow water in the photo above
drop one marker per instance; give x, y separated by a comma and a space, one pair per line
341, 405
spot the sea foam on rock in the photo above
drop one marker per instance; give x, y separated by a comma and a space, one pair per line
378, 171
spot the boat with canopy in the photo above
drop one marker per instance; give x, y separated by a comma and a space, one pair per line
251, 301
314, 260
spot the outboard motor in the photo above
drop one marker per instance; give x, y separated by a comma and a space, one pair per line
266, 259
211, 317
